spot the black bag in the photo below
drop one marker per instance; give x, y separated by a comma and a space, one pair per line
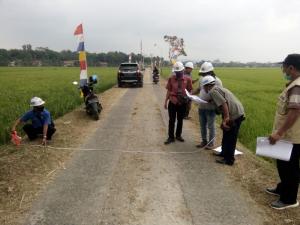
182, 99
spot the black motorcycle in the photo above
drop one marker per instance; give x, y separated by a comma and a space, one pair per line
155, 77
93, 106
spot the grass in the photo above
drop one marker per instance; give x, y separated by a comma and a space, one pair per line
258, 90
52, 84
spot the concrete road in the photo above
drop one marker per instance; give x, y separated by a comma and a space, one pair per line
134, 179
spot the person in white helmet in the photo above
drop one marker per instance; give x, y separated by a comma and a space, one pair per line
232, 116
188, 69
207, 112
41, 122
176, 101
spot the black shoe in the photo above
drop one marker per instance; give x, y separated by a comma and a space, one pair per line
220, 154
224, 162
180, 139
280, 205
272, 191
169, 141
202, 145
209, 146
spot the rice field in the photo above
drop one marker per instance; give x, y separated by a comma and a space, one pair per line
258, 90
53, 84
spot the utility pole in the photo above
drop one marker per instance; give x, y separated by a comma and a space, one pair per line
142, 59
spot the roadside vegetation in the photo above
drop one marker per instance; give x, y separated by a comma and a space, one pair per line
53, 84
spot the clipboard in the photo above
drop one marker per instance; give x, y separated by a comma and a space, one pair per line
281, 150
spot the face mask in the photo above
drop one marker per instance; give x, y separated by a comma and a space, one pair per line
39, 109
287, 76
179, 75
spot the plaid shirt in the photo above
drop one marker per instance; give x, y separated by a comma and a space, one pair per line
172, 87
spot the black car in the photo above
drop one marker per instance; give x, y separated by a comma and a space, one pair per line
130, 73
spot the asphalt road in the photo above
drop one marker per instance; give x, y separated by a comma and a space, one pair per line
132, 183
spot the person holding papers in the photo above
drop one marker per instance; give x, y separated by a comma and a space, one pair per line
287, 127
232, 115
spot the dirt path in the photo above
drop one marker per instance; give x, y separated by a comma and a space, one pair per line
146, 183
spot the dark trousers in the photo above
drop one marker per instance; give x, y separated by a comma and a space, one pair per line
188, 109
229, 140
33, 133
289, 176
175, 111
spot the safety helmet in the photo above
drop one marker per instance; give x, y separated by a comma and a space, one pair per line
189, 65
93, 79
36, 101
178, 66
206, 67
208, 80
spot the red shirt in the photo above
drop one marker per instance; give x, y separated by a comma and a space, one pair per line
172, 87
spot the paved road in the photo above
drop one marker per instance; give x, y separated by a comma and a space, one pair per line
114, 187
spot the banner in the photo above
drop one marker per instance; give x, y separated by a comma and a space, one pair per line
82, 55
176, 47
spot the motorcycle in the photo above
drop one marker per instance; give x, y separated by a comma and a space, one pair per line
93, 106
155, 78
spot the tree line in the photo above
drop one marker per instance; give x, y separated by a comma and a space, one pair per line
43, 56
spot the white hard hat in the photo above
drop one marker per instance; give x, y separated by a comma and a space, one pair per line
36, 101
189, 65
208, 80
206, 67
178, 66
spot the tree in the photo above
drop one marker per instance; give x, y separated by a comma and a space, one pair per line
4, 57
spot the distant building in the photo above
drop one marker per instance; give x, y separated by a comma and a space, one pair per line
12, 63
36, 63
102, 64
15, 63
69, 63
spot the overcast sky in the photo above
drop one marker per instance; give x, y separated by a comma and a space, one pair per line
239, 30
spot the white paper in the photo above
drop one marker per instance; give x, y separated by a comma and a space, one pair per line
219, 149
281, 150
194, 98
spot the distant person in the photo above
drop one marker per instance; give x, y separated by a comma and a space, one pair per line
176, 101
155, 74
155, 70
207, 111
41, 122
188, 69
232, 116
287, 127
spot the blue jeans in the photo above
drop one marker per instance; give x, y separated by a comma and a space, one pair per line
207, 122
